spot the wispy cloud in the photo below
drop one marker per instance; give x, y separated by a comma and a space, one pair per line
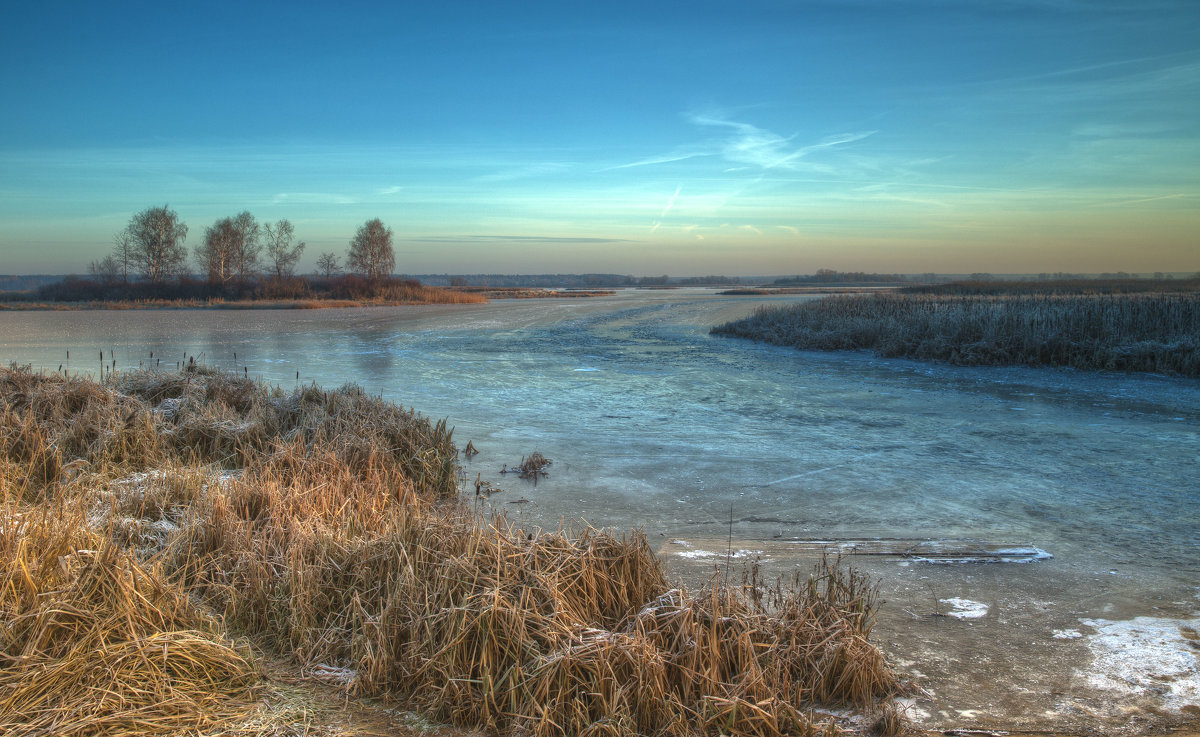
540, 169
388, 190
789, 229
680, 155
749, 147
671, 201
1140, 200
759, 147
312, 198
519, 238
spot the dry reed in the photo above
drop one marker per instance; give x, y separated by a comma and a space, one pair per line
321, 525
1116, 332
94, 643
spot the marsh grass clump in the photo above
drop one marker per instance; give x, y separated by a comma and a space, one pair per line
94, 642
1113, 332
533, 466
326, 527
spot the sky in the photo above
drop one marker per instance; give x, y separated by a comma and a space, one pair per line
739, 138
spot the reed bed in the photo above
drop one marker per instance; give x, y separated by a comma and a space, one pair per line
1061, 287
94, 643
1158, 333
327, 527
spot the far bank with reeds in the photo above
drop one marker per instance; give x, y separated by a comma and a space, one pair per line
1157, 332
293, 293
160, 529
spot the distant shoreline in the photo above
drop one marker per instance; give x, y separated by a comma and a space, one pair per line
255, 304
479, 295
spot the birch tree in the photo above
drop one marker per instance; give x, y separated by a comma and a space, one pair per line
371, 251
155, 243
281, 254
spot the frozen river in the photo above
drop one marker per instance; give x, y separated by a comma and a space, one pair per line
651, 422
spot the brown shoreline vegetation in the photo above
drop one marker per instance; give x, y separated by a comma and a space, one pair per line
293, 293
166, 537
1116, 330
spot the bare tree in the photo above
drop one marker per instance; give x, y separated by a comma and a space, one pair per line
327, 265
107, 269
246, 254
215, 255
123, 252
371, 251
155, 241
281, 254
230, 249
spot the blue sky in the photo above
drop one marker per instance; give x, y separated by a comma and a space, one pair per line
681, 138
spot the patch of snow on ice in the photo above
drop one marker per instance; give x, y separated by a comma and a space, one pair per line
1145, 656
965, 608
1067, 634
696, 554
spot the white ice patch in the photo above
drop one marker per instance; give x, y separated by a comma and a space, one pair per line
699, 554
1067, 634
1146, 656
910, 709
999, 555
965, 608
1023, 555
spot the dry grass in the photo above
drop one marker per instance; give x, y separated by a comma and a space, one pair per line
326, 527
1117, 332
1060, 287
95, 643
533, 466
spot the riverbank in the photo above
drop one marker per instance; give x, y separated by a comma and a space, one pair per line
428, 296
1158, 333
297, 293
166, 529
222, 304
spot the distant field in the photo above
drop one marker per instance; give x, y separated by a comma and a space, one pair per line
1114, 331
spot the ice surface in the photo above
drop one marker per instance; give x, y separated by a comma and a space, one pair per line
1146, 656
965, 608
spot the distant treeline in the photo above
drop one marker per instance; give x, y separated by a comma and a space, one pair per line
25, 282
575, 281
830, 276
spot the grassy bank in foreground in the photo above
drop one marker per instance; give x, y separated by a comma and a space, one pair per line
1113, 332
147, 521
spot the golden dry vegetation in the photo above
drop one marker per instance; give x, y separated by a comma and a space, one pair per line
168, 539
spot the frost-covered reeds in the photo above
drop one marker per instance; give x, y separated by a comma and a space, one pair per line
1114, 332
143, 519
